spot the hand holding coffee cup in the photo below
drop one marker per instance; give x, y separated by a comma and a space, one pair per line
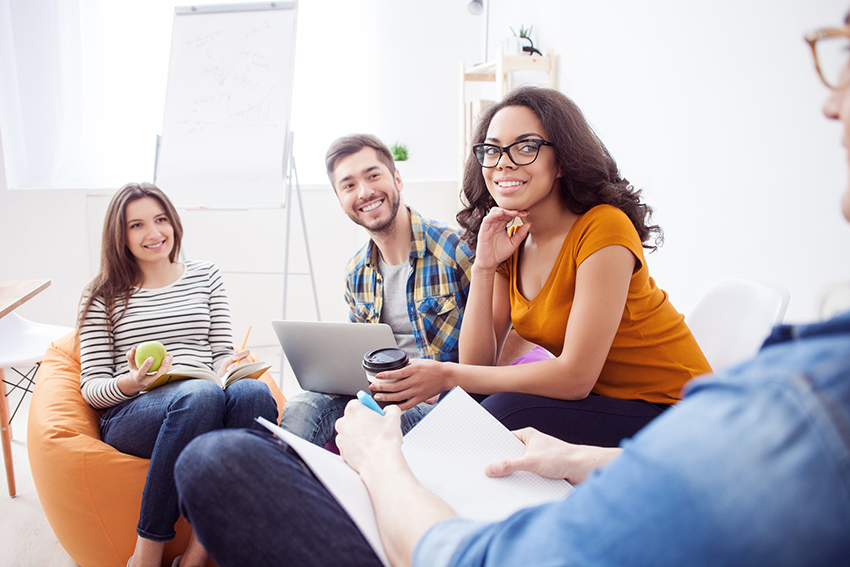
383, 360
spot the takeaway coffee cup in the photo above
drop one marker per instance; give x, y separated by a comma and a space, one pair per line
382, 360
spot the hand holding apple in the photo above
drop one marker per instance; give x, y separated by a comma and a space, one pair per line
150, 349
141, 373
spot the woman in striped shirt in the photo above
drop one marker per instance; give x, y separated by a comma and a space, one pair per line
142, 293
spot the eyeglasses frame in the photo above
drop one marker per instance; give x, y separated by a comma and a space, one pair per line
505, 150
814, 36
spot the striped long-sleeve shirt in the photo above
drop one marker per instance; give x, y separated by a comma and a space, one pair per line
191, 317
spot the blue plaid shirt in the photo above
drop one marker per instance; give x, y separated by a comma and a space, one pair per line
437, 286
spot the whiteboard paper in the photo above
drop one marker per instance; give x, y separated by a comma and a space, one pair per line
227, 109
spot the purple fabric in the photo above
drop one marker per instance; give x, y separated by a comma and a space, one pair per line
595, 420
535, 354
331, 446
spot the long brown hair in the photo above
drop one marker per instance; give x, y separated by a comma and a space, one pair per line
119, 272
590, 175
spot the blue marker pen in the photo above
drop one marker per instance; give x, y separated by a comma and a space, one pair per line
369, 402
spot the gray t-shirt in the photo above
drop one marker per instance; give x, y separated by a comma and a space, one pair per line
394, 310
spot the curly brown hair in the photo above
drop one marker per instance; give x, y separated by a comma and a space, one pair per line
590, 175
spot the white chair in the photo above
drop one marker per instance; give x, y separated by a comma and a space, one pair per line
833, 300
22, 345
734, 317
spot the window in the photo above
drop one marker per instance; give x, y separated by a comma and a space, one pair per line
83, 82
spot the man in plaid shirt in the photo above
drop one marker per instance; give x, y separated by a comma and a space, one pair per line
413, 275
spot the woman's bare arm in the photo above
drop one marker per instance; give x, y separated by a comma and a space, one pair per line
602, 284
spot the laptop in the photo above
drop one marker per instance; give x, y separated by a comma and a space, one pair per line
327, 357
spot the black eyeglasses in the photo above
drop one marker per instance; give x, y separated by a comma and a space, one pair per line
831, 50
523, 152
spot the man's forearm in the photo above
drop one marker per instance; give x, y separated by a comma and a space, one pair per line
404, 508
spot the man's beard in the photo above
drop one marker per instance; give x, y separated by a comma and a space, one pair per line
387, 226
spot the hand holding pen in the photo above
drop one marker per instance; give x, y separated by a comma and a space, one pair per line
366, 434
369, 402
244, 357
236, 358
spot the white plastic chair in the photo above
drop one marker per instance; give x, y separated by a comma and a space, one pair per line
22, 344
734, 317
833, 300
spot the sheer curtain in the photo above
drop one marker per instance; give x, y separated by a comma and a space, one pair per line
38, 58
82, 86
81, 90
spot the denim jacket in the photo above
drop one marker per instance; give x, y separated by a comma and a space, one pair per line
752, 467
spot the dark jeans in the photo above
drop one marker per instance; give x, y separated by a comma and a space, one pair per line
252, 501
159, 424
595, 420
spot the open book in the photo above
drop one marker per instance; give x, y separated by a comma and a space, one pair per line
244, 370
447, 452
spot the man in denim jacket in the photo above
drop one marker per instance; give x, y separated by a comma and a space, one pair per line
752, 467
412, 274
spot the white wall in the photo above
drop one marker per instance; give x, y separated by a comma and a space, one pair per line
405, 56
711, 106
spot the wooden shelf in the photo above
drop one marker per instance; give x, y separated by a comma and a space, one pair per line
499, 71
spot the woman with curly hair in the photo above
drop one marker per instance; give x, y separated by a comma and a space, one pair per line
571, 278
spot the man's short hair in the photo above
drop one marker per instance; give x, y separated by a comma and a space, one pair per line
348, 145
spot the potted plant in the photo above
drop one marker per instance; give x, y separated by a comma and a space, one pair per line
399, 151
523, 31
525, 35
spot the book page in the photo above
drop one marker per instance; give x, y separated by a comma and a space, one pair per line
246, 370
184, 373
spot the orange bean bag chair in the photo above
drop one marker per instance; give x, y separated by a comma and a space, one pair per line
90, 492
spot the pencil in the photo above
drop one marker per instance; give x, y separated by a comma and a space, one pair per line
245, 342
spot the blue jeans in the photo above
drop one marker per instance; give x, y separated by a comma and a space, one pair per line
252, 501
159, 424
312, 416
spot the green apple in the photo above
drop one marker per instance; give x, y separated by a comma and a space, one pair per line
150, 349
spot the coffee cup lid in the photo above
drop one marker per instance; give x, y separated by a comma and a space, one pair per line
382, 359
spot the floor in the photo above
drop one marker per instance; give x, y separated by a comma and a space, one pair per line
26, 539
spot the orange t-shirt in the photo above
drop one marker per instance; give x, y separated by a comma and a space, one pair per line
653, 354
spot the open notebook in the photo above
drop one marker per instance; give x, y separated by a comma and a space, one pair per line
447, 452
